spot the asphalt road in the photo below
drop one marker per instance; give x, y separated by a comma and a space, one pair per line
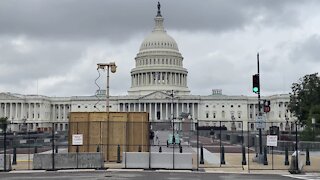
144, 175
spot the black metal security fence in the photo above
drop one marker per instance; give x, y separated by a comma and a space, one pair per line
162, 145
270, 148
221, 144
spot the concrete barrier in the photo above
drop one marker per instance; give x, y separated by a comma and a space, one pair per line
183, 161
135, 160
8, 162
157, 160
162, 160
68, 161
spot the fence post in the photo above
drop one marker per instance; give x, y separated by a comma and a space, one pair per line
118, 154
222, 161
307, 157
5, 148
244, 161
14, 159
180, 149
296, 147
265, 158
52, 142
286, 161
201, 155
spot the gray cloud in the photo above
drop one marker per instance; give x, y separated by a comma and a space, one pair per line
118, 20
60, 42
307, 50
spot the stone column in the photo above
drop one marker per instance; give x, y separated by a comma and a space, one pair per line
64, 112
53, 112
177, 110
16, 116
167, 111
147, 79
183, 80
155, 111
10, 112
186, 81
193, 114
198, 110
182, 107
188, 108
156, 78
145, 107
161, 111
150, 112
22, 110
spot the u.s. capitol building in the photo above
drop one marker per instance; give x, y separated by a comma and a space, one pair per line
159, 86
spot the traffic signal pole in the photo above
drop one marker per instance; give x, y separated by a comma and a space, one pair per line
259, 110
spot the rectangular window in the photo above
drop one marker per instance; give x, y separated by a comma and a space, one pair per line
207, 115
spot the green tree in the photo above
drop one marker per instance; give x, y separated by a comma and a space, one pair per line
3, 123
305, 99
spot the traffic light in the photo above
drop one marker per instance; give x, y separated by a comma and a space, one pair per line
255, 83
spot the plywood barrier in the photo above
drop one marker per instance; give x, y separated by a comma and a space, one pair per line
104, 132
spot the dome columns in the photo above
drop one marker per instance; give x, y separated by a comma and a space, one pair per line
159, 78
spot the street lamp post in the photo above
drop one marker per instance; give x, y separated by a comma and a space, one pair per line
107, 66
113, 67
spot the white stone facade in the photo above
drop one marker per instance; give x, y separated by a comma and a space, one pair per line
158, 86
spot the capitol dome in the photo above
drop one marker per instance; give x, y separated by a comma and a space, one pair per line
158, 64
159, 40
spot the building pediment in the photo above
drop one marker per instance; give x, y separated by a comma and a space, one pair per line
156, 95
8, 96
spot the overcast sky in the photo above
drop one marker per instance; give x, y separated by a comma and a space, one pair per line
52, 47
